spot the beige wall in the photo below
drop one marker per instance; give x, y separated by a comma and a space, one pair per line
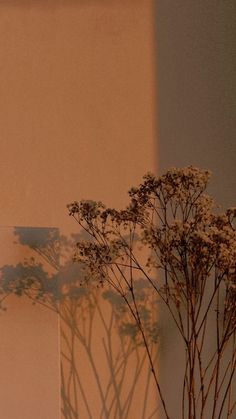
76, 121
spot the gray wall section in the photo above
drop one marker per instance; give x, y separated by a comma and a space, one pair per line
196, 101
196, 71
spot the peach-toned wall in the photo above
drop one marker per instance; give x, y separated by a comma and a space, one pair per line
76, 105
77, 120
29, 348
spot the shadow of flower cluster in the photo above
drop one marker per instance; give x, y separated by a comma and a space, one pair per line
48, 276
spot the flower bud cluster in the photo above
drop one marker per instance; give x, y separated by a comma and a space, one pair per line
173, 217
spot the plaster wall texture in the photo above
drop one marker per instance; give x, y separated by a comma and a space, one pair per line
78, 105
77, 100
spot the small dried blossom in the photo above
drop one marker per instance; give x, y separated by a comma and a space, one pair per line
172, 216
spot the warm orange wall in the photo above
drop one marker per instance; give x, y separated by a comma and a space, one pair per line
29, 348
76, 120
76, 105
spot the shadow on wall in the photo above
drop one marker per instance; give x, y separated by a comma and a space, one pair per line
103, 364
167, 258
196, 63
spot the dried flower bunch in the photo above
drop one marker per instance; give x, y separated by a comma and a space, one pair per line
172, 238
